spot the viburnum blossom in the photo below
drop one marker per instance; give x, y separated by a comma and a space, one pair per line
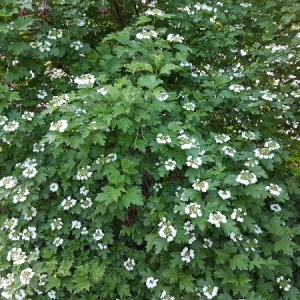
200, 185
151, 282
207, 243
59, 126
224, 194
274, 189
129, 264
217, 218
194, 162
154, 12
238, 215
275, 207
210, 292
193, 210
222, 138
146, 34
58, 101
229, 151
272, 145
86, 80
246, 177
284, 283
84, 173
248, 135
8, 182
58, 241
263, 153
187, 254
163, 139
170, 165
26, 276
68, 203
175, 38
165, 296
166, 230
190, 106
11, 126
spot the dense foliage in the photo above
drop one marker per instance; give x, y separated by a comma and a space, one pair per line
149, 150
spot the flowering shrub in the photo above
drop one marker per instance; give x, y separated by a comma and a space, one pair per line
152, 161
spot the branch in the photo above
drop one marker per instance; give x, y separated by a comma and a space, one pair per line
119, 14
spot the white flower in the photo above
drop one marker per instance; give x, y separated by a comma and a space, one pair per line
86, 203
235, 237
3, 120
58, 101
8, 182
251, 162
193, 210
217, 218
85, 80
129, 264
44, 46
224, 194
83, 191
157, 187
29, 233
76, 45
21, 196
76, 224
53, 187
51, 294
17, 256
162, 96
68, 203
187, 255
38, 147
154, 12
27, 115
103, 91
210, 292
54, 34
84, 173
102, 246
166, 230
194, 162
238, 215
58, 241
200, 185
272, 145
257, 229
222, 138
274, 189
175, 38
267, 95
284, 283
14, 235
246, 178
236, 88
228, 151
29, 172
151, 282
10, 223
263, 153
188, 227
98, 235
84, 231
20, 294
31, 214
207, 243
190, 106
79, 111
170, 165
11, 126
248, 135
275, 207
42, 94
251, 245
163, 139
186, 142
146, 34
56, 224
165, 296
59, 126
111, 157
26, 276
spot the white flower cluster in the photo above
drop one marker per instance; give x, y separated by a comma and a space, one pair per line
217, 218
229, 151
165, 296
129, 264
59, 126
98, 235
238, 215
42, 94
103, 91
109, 158
200, 185
275, 207
68, 203
26, 276
86, 203
54, 73
29, 168
58, 101
251, 245
76, 224
207, 243
38, 147
210, 292
42, 46
193, 210
263, 153
189, 231
235, 237
3, 120
83, 191
162, 96
248, 135
195, 163
170, 165
166, 230
163, 139
267, 95
175, 38
272, 145
84, 173
27, 115
21, 195
10, 224
274, 189
154, 12
246, 177
32, 212
157, 187
57, 224
146, 34
51, 294
86, 80
257, 229
11, 126
55, 34
222, 138
224, 194
58, 241
190, 106
284, 283
29, 233
186, 142
187, 255
237, 88
8, 182
53, 187
251, 162
151, 282
5, 284
17, 256
77, 45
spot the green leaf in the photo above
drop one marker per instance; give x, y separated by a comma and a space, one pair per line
149, 81
23, 23
123, 290
239, 261
129, 165
186, 283
166, 69
133, 196
52, 282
